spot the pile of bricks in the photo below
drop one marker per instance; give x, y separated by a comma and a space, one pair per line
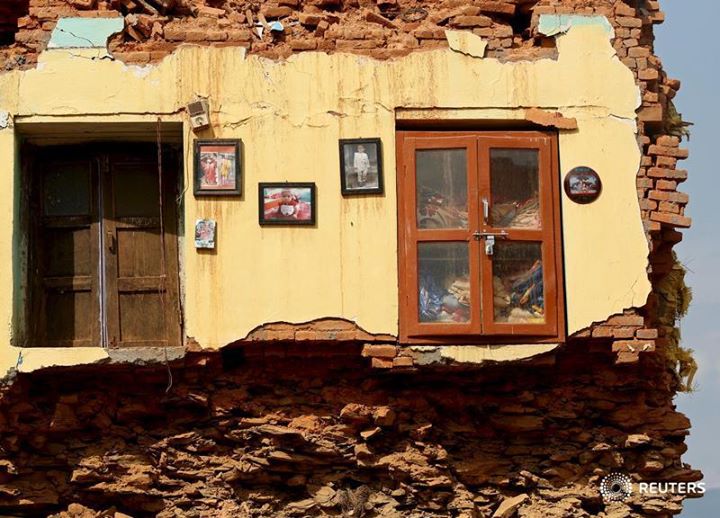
300, 437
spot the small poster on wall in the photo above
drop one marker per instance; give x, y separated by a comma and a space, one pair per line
287, 203
218, 167
205, 233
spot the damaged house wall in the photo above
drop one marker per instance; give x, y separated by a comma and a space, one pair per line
314, 407
252, 100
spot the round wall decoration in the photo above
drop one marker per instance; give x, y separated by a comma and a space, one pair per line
583, 185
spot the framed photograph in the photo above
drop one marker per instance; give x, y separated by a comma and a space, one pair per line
287, 203
583, 185
361, 166
218, 168
205, 233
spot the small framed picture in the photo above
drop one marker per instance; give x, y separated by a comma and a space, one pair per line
287, 203
583, 185
361, 169
205, 233
218, 167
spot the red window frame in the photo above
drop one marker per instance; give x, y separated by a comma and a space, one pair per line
482, 326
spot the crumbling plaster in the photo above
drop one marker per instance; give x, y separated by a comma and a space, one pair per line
290, 115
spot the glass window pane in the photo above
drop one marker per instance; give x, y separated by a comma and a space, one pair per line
518, 296
443, 282
442, 190
514, 182
66, 190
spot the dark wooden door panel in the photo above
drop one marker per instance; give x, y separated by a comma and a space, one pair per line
66, 307
141, 258
105, 270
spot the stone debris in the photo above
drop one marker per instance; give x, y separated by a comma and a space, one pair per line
265, 438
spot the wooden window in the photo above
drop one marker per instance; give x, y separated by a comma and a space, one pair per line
103, 269
479, 237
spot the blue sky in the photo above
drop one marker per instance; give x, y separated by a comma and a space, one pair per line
688, 45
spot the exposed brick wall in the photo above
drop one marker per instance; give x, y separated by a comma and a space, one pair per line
278, 432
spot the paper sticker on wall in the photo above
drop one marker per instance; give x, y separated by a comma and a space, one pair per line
205, 233
583, 185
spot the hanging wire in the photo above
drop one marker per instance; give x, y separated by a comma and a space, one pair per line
163, 270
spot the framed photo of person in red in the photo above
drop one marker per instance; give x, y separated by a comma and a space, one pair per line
287, 203
218, 168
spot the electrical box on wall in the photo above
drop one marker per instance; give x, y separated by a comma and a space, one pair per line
199, 114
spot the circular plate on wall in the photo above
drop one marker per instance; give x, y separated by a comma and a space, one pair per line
582, 185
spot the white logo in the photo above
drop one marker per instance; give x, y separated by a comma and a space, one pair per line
615, 487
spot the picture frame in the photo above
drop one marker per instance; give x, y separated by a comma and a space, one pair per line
218, 167
361, 167
583, 185
205, 234
288, 203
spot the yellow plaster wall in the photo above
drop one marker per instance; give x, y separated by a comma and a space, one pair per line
290, 116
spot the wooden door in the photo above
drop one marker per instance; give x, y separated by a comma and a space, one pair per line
140, 252
65, 308
106, 272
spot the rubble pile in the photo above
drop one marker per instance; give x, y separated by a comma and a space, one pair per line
262, 433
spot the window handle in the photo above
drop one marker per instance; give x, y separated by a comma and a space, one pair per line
486, 209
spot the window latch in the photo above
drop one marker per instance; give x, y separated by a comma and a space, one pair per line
489, 245
489, 239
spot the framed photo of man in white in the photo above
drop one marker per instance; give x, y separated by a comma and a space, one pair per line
361, 166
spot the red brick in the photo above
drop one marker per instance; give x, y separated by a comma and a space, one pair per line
668, 141
302, 44
239, 35
638, 52
648, 74
623, 21
472, 21
403, 361
646, 204
666, 161
381, 363
649, 334
310, 19
676, 197
623, 332
627, 320
496, 7
668, 151
671, 219
276, 12
671, 174
379, 351
666, 185
602, 332
668, 206
622, 9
